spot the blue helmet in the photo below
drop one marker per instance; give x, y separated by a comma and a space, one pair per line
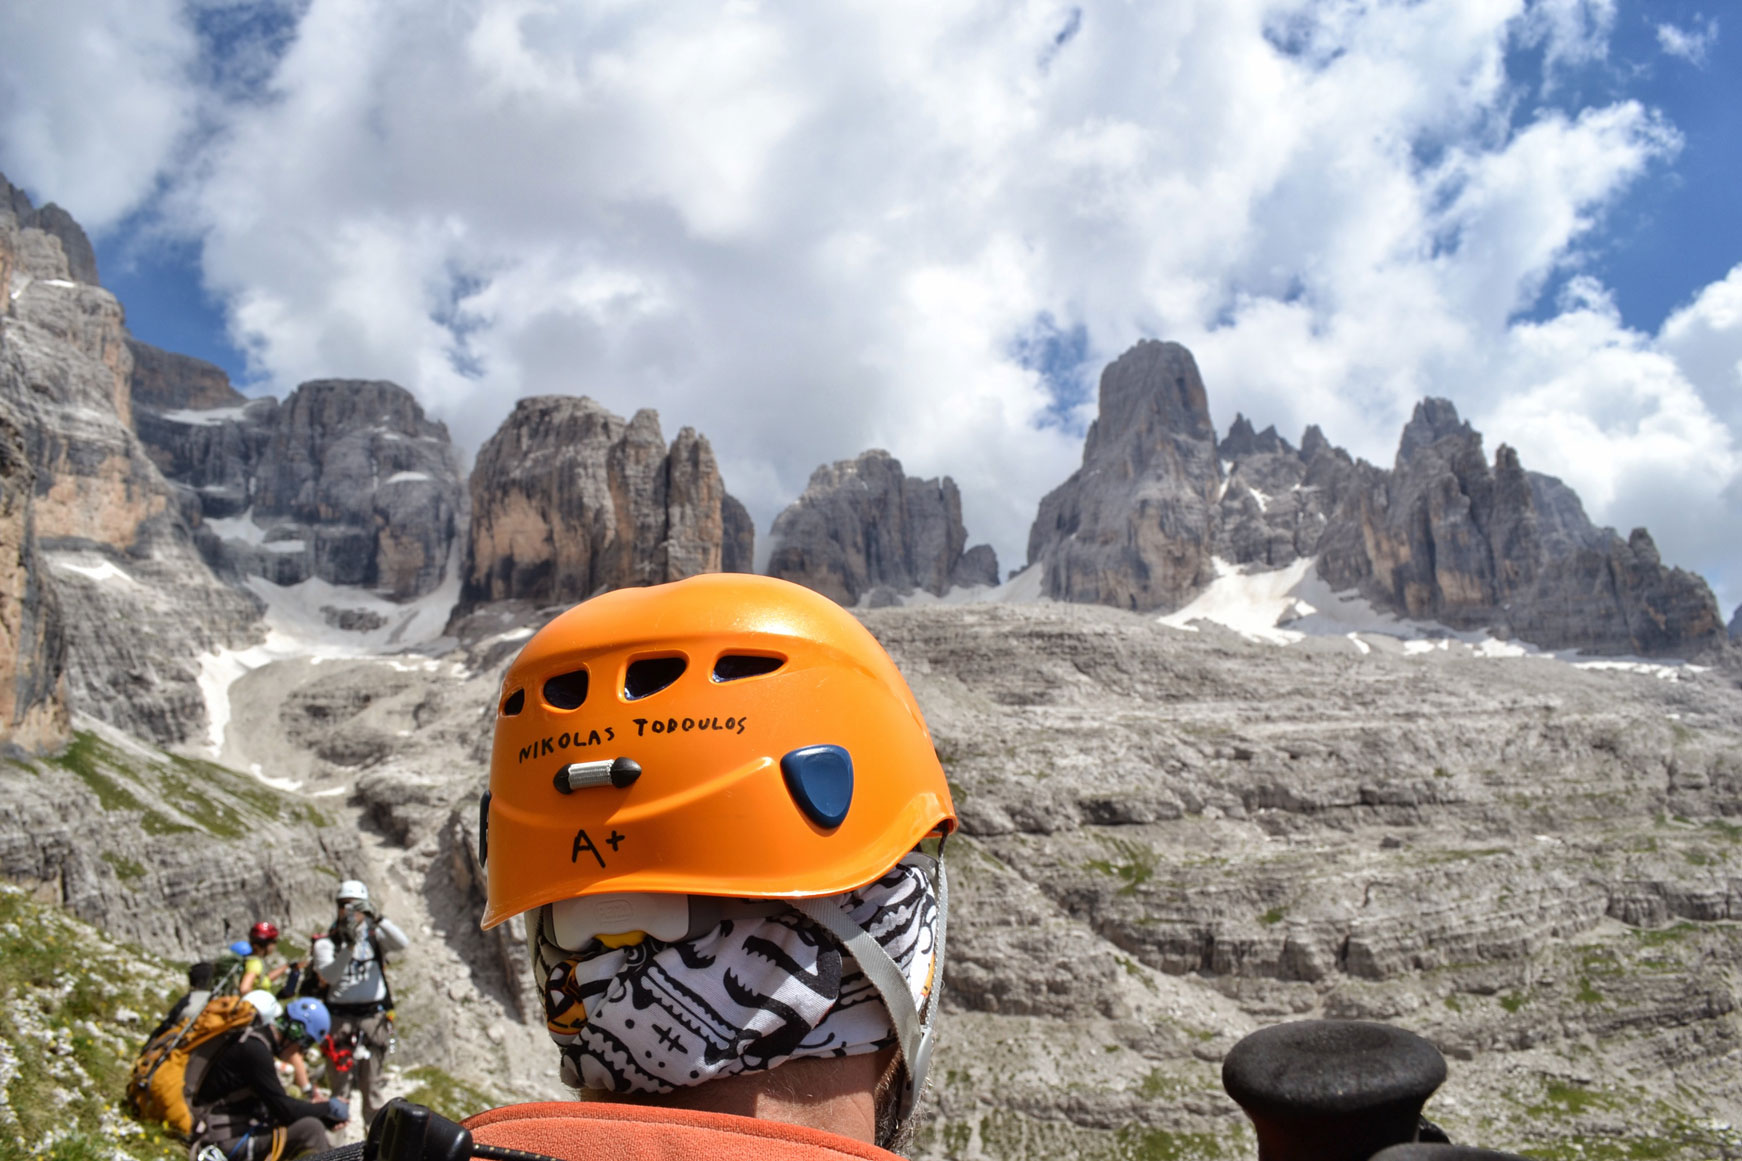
307, 1019
241, 947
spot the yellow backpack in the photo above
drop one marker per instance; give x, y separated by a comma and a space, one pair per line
172, 1065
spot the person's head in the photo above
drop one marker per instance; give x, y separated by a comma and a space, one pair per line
304, 1023
262, 936
200, 975
266, 1006
352, 894
711, 789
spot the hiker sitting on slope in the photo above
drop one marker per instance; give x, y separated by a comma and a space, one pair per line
244, 1111
191, 1001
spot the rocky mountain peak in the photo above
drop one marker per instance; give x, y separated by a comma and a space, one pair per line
1242, 440
569, 500
1151, 391
1313, 444
865, 530
81, 258
1736, 624
1433, 421
1132, 526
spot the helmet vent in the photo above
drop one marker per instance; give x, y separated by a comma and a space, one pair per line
566, 691
650, 675
737, 666
514, 704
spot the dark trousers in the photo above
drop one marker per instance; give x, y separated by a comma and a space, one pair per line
368, 1037
306, 1135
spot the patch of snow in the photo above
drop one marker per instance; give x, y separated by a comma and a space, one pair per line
1222, 488
19, 282
286, 784
1252, 603
203, 417
100, 570
219, 670
1284, 606
520, 634
285, 545
1023, 588
63, 283
1672, 671
240, 528
330, 792
295, 612
1262, 498
296, 628
406, 477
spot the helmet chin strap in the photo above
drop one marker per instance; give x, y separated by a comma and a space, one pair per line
915, 1031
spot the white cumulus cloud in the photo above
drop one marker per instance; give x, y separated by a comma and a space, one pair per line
811, 229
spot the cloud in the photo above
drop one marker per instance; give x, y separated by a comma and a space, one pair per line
1691, 44
95, 96
808, 230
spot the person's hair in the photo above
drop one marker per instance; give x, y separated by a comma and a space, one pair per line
893, 1133
200, 974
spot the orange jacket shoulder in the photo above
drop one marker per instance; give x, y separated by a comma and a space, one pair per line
599, 1131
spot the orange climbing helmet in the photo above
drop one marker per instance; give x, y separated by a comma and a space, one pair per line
725, 735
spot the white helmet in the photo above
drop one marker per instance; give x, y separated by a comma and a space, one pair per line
352, 889
265, 1003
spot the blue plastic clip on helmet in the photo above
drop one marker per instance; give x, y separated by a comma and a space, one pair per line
310, 1016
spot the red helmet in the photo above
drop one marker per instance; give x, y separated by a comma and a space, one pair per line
263, 932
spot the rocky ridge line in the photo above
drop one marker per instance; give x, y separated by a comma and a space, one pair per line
1443, 535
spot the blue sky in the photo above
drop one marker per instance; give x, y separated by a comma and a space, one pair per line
807, 230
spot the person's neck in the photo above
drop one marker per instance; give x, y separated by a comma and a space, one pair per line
835, 1094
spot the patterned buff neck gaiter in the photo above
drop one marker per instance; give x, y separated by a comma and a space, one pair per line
648, 1016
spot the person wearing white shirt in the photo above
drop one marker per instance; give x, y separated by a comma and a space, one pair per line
351, 960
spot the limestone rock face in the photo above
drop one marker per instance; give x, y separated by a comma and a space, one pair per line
53, 222
346, 480
737, 537
865, 527
1276, 503
569, 500
176, 854
166, 381
1132, 527
369, 486
1736, 624
137, 603
33, 703
1446, 537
